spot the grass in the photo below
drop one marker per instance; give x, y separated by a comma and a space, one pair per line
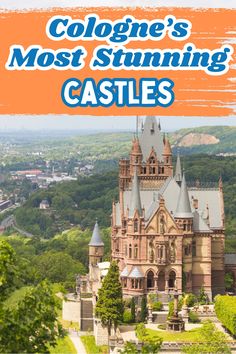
91, 347
187, 336
64, 345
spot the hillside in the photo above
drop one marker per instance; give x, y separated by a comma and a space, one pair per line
207, 140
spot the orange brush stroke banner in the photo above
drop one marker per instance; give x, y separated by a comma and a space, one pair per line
39, 92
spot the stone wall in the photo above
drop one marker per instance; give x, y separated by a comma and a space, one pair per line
71, 310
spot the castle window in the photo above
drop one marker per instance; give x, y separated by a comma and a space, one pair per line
144, 170
186, 251
167, 160
126, 250
194, 249
152, 170
136, 159
130, 251
150, 279
135, 251
125, 283
152, 160
135, 225
132, 283
96, 250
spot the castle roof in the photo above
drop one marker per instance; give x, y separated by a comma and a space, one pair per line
135, 200
136, 273
178, 170
199, 225
151, 137
183, 209
96, 238
124, 272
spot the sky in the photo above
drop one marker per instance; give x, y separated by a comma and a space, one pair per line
62, 122
67, 122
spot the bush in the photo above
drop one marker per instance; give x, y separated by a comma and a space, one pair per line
193, 317
191, 300
225, 308
202, 297
127, 317
157, 306
162, 326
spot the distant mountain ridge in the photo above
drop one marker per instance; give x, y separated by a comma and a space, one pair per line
205, 139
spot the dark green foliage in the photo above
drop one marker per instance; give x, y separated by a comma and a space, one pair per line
144, 309
193, 317
110, 307
212, 341
133, 310
76, 202
225, 308
171, 306
229, 281
191, 300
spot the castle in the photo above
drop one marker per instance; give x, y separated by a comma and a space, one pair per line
166, 236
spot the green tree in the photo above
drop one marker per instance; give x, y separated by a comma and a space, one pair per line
32, 325
110, 307
212, 341
132, 309
144, 310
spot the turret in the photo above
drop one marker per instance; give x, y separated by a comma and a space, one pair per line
135, 156
96, 247
183, 212
167, 153
178, 171
135, 201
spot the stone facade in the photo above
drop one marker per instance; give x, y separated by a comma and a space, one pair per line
165, 235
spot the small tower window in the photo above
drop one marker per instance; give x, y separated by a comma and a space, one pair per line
194, 249
152, 160
135, 251
130, 251
135, 225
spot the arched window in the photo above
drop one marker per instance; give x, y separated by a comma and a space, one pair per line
130, 251
144, 170
152, 160
135, 251
150, 279
172, 279
136, 225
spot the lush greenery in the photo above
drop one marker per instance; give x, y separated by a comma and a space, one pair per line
80, 202
63, 345
91, 347
31, 325
211, 339
225, 308
144, 309
58, 259
110, 306
150, 343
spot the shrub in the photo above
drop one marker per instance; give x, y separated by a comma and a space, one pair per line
225, 308
193, 317
157, 306
162, 326
144, 310
191, 300
202, 297
132, 310
127, 317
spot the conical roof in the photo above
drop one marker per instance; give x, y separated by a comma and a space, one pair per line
178, 170
167, 147
183, 206
151, 137
96, 238
135, 202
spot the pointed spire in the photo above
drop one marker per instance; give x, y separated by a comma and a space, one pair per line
167, 147
96, 238
135, 203
183, 207
159, 124
178, 170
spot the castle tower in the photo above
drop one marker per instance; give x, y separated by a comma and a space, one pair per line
178, 170
183, 211
167, 157
135, 202
135, 156
96, 247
